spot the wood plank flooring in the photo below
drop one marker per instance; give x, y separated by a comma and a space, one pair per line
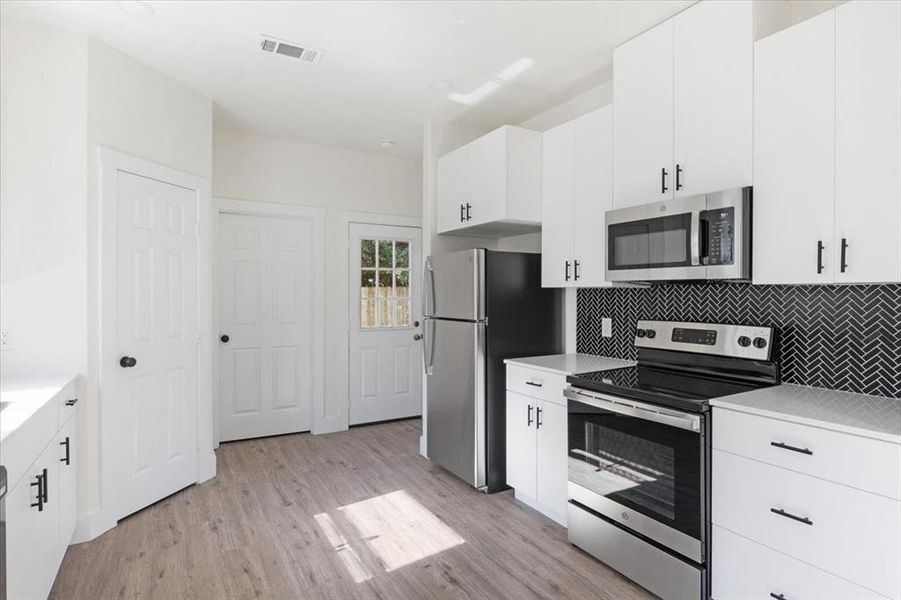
355, 514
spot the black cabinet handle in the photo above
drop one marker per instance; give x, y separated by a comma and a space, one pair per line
468, 208
788, 515
68, 456
777, 596
663, 174
792, 448
566, 270
71, 402
678, 177
576, 270
126, 362
39, 483
529, 417
462, 216
844, 264
532, 383
538, 419
820, 249
44, 489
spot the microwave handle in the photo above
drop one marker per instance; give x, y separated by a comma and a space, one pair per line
695, 237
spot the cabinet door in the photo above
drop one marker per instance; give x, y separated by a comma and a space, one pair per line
551, 467
46, 532
868, 142
65, 445
521, 411
557, 205
794, 167
488, 172
643, 118
592, 193
452, 190
20, 539
713, 97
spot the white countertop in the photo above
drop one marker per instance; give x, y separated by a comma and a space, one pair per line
26, 397
570, 364
859, 414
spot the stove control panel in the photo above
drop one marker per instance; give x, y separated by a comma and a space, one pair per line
738, 341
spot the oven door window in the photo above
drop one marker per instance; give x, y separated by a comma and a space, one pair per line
650, 243
652, 468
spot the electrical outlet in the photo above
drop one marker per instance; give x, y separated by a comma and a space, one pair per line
606, 327
5, 342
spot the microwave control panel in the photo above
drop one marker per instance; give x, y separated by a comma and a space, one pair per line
720, 244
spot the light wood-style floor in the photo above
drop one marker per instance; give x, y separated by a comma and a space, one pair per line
356, 514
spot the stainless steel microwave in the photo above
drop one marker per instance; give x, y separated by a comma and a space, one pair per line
699, 237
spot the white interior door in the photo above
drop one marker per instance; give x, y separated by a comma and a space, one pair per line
385, 381
266, 325
155, 411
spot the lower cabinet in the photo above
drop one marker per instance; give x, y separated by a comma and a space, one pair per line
40, 518
536, 453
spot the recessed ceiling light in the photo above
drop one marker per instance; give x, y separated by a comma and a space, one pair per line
135, 7
443, 86
386, 144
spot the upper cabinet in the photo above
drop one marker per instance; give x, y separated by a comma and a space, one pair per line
827, 149
492, 186
683, 100
577, 189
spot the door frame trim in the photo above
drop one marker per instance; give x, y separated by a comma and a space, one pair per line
110, 162
337, 416
256, 208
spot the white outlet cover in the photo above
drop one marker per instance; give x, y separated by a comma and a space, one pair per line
4, 339
606, 327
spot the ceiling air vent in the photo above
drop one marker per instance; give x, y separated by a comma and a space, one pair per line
304, 53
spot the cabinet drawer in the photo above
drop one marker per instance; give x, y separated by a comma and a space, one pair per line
746, 570
66, 401
862, 463
842, 530
537, 384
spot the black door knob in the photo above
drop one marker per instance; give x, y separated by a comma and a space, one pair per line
126, 362
417, 336
224, 339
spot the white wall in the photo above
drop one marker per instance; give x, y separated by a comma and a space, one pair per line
265, 169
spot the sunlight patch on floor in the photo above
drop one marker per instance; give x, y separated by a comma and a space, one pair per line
399, 529
348, 556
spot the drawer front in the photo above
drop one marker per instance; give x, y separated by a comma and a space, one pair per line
67, 400
537, 384
746, 570
863, 463
844, 531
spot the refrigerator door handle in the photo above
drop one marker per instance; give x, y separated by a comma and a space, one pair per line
428, 290
428, 345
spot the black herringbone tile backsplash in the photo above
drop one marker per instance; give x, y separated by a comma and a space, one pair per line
838, 337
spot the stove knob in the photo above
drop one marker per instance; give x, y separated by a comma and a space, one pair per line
759, 342
650, 333
744, 341
639, 333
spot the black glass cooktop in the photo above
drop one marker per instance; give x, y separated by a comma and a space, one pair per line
678, 389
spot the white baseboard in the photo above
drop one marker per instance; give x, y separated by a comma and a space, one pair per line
423, 447
91, 524
206, 465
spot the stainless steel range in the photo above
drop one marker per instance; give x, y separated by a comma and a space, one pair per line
639, 449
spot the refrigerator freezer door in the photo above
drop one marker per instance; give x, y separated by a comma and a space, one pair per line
454, 286
456, 399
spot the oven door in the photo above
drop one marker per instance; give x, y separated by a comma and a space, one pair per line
641, 466
656, 241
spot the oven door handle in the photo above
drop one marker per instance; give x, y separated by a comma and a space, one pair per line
695, 237
646, 412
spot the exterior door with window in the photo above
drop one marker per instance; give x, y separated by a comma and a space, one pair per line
385, 381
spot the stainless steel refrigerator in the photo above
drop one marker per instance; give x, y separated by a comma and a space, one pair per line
480, 307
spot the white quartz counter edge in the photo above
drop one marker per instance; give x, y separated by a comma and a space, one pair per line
26, 396
789, 402
569, 364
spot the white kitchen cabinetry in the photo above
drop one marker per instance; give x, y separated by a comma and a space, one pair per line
536, 441
787, 522
492, 186
40, 506
827, 149
577, 190
683, 105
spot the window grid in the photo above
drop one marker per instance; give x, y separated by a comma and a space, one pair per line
385, 284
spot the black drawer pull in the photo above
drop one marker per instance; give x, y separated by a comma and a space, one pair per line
778, 596
68, 458
782, 513
785, 446
532, 383
538, 419
39, 483
529, 417
71, 402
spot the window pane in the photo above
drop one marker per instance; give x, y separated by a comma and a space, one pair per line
367, 283
386, 284
402, 254
386, 254
402, 313
384, 309
402, 283
367, 313
367, 254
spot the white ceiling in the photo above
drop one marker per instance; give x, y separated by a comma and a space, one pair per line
379, 60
